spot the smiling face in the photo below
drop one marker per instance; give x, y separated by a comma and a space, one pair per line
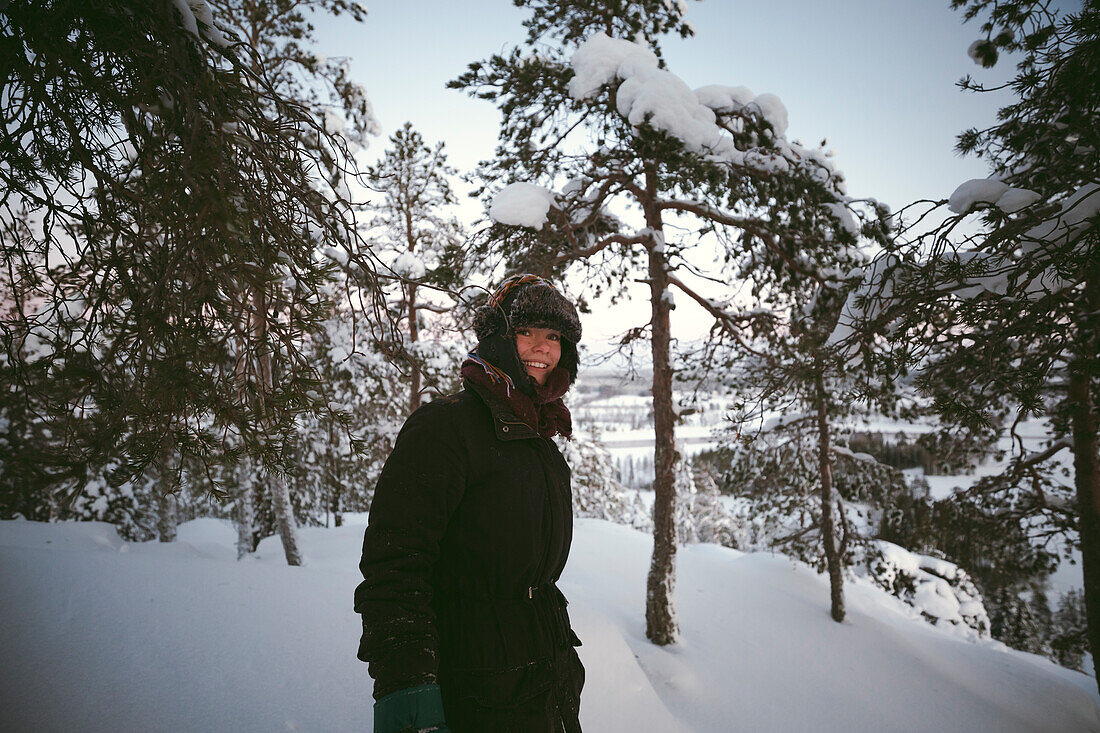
539, 350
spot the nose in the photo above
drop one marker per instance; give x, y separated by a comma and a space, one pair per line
541, 344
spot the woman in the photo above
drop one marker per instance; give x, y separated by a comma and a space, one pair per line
470, 527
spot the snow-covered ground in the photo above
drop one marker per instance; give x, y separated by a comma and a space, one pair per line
101, 635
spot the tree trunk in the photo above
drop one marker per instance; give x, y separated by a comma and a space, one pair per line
660, 613
167, 514
280, 492
1086, 456
284, 518
414, 335
1087, 482
167, 517
245, 515
410, 301
332, 479
828, 528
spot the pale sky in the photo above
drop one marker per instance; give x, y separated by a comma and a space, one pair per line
874, 77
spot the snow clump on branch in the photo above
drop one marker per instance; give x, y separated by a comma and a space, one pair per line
990, 191
651, 95
773, 111
648, 94
408, 266
522, 204
721, 98
846, 218
198, 20
1075, 216
601, 59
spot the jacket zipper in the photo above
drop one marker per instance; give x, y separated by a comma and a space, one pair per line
541, 567
550, 488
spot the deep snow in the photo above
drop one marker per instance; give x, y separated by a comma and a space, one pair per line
101, 635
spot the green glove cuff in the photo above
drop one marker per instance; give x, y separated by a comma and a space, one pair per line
414, 707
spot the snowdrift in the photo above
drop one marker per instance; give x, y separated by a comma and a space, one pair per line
101, 635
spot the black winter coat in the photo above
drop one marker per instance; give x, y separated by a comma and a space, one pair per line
469, 529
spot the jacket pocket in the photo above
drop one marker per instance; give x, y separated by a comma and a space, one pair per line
501, 690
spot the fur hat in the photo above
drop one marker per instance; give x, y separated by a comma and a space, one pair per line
525, 301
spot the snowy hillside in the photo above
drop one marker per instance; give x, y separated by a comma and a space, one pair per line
101, 635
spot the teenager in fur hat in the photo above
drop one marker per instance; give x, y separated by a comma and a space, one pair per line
464, 628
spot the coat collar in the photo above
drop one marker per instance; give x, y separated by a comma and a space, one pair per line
505, 423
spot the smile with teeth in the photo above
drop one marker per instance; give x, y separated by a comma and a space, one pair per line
536, 364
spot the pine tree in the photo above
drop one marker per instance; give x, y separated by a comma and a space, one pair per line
1004, 313
127, 506
147, 303
339, 456
1015, 622
700, 514
772, 474
281, 33
589, 106
776, 354
1069, 639
422, 246
596, 493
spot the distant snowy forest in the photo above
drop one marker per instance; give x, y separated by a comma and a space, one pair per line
213, 306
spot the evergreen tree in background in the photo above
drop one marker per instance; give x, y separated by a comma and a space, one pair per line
589, 110
595, 493
700, 514
148, 304
1004, 322
422, 246
1069, 640
337, 467
127, 506
775, 475
1015, 622
281, 33
774, 354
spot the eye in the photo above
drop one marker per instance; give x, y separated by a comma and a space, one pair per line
553, 337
